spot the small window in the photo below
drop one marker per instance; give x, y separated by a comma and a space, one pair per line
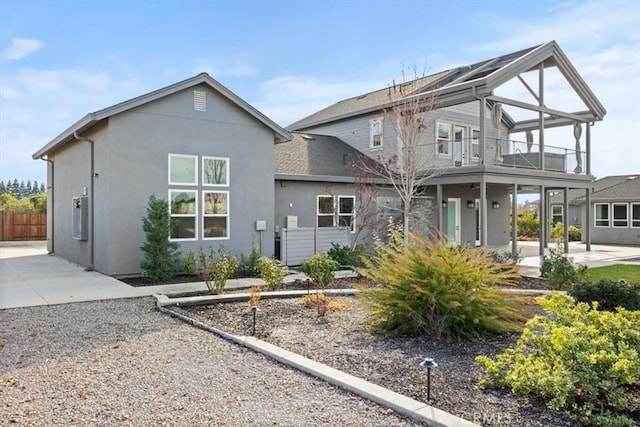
556, 214
635, 215
183, 209
326, 211
620, 215
215, 171
215, 221
602, 214
347, 212
443, 144
376, 133
183, 169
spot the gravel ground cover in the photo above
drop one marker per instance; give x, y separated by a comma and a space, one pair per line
343, 341
121, 362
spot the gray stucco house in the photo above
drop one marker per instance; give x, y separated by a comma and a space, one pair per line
483, 155
194, 143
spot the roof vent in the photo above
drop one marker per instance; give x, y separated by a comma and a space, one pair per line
305, 136
199, 100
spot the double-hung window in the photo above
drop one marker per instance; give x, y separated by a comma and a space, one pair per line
183, 202
326, 211
443, 139
620, 214
556, 213
635, 215
602, 214
375, 133
215, 221
347, 212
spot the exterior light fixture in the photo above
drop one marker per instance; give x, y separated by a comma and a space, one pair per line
495, 205
444, 204
471, 204
428, 364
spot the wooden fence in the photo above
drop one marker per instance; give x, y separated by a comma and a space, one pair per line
15, 226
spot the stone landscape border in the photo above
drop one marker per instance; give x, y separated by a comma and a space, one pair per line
416, 410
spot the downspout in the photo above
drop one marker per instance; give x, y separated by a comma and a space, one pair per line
91, 204
50, 204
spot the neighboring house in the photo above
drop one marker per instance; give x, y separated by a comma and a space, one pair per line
483, 156
576, 199
615, 210
194, 143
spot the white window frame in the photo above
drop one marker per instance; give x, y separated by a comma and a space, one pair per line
634, 220
474, 142
595, 215
195, 166
554, 215
193, 215
448, 154
226, 215
332, 214
352, 214
376, 128
205, 184
613, 215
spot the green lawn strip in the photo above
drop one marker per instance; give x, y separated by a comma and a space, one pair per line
630, 273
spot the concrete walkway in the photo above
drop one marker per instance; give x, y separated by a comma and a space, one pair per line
29, 276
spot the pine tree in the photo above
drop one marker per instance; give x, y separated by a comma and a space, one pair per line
3, 189
35, 189
28, 189
161, 256
22, 190
43, 188
15, 188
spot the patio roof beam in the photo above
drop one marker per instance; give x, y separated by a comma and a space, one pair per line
532, 124
526, 85
537, 108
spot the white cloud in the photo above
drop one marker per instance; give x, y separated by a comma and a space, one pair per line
21, 48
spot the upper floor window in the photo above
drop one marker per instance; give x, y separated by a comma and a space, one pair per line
475, 144
183, 169
215, 171
443, 139
376, 133
620, 215
602, 214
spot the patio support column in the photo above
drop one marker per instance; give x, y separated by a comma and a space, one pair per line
439, 206
541, 114
483, 139
565, 218
543, 218
588, 147
586, 224
483, 213
514, 221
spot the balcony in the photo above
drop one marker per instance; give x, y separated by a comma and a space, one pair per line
503, 153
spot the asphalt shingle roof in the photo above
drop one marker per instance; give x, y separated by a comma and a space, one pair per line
615, 187
315, 155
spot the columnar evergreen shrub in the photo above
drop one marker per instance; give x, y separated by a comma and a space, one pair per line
249, 265
320, 269
430, 287
578, 360
161, 256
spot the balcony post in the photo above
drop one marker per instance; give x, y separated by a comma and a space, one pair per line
483, 140
543, 218
541, 114
565, 218
588, 148
586, 224
439, 206
514, 221
483, 213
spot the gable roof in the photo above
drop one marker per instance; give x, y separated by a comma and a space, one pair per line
310, 157
626, 190
467, 83
92, 119
615, 187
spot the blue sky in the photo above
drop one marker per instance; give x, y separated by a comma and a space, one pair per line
63, 59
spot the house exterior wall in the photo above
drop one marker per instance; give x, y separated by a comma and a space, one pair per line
612, 235
131, 163
356, 132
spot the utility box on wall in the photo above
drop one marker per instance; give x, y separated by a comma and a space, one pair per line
80, 218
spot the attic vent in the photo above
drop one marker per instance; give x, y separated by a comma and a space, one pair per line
199, 100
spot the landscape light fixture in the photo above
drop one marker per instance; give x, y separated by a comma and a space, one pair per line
495, 205
428, 364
